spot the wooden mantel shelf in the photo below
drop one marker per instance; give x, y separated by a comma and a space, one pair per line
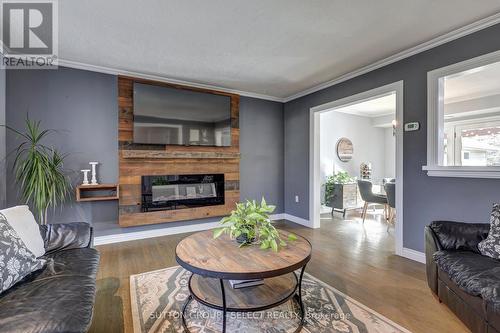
99, 192
162, 154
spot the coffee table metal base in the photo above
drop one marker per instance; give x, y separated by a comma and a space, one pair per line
296, 294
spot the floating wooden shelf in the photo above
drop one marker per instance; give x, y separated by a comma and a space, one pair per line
99, 192
162, 154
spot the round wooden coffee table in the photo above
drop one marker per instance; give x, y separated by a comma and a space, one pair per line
215, 261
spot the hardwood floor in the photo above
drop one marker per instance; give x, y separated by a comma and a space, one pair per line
354, 258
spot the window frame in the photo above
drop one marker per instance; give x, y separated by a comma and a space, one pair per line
435, 122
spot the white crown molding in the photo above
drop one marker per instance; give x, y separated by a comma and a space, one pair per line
116, 71
443, 39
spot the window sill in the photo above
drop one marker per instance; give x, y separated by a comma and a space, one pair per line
462, 172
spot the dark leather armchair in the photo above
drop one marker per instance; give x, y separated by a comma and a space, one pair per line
463, 279
60, 297
366, 192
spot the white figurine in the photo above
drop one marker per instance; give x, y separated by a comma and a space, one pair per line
94, 173
85, 176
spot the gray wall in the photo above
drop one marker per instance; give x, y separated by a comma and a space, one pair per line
425, 198
2, 139
82, 106
261, 146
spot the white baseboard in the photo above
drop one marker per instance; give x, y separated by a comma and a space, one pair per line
276, 217
131, 236
298, 220
413, 255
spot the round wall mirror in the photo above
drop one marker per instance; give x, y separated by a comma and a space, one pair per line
344, 149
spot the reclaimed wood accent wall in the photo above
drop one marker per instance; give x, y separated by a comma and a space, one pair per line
138, 160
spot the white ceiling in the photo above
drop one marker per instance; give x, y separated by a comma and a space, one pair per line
472, 84
276, 48
379, 106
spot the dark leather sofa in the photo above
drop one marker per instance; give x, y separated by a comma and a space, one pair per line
60, 297
463, 279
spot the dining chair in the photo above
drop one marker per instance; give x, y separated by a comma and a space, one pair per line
390, 191
366, 191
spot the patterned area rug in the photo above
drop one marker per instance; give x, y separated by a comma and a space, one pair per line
157, 299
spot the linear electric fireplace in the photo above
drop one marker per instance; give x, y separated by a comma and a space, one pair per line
181, 191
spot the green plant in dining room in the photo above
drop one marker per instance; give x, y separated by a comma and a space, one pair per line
339, 178
250, 224
38, 170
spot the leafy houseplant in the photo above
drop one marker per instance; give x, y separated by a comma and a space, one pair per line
250, 224
341, 177
39, 170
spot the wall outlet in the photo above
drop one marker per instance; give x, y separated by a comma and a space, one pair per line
296, 198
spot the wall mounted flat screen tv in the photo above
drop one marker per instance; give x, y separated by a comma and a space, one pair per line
164, 115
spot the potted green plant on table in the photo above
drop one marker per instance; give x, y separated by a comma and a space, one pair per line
38, 170
338, 179
250, 224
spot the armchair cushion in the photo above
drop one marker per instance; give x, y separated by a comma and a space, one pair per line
491, 245
66, 236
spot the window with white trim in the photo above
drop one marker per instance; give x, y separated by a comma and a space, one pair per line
463, 138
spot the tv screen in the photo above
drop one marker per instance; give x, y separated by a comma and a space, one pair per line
164, 115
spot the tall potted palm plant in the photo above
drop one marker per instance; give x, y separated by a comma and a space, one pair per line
38, 170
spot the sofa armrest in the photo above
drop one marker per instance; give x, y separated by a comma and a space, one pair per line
431, 246
459, 235
65, 236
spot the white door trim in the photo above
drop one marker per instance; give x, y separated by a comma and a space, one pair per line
314, 153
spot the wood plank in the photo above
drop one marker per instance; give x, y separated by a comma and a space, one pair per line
158, 169
126, 80
167, 216
105, 198
167, 154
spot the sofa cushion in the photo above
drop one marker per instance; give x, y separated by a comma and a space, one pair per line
491, 245
76, 262
470, 271
58, 299
22, 220
476, 274
16, 260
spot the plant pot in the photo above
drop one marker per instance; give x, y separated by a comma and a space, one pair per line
243, 239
